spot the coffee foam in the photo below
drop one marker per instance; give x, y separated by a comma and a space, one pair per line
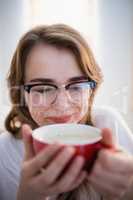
76, 134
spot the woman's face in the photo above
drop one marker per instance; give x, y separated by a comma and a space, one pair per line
49, 68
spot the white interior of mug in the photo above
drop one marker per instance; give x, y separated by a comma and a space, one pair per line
73, 134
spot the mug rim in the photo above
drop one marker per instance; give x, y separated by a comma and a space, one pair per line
67, 125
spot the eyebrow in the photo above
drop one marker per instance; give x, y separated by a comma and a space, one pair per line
48, 80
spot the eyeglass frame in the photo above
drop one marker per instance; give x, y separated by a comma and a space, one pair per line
28, 87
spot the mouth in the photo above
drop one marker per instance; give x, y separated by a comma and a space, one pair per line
61, 119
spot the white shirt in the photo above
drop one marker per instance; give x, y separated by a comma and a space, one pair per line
106, 117
12, 150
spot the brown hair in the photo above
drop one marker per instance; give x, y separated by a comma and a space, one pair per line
61, 36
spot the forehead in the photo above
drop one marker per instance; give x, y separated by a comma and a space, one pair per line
47, 61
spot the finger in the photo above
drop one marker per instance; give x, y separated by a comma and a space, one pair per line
54, 169
117, 183
81, 177
110, 161
110, 190
43, 158
71, 174
27, 139
108, 138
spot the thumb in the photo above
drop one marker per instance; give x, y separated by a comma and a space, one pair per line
108, 138
27, 139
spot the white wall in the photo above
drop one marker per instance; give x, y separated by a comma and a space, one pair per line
115, 54
13, 22
12, 25
77, 13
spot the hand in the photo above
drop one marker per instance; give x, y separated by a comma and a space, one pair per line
112, 173
40, 174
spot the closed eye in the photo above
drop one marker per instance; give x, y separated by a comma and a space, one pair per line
44, 89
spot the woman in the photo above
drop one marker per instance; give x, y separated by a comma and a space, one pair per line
53, 79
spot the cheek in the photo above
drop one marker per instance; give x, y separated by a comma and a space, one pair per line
35, 100
36, 111
37, 114
84, 103
83, 110
83, 107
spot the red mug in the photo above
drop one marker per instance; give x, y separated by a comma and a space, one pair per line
84, 138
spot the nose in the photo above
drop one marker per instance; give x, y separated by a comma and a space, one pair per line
63, 98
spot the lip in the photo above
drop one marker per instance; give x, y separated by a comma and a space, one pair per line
62, 119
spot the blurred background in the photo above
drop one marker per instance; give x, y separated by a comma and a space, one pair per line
107, 26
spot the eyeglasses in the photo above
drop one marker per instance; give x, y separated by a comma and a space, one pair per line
47, 93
